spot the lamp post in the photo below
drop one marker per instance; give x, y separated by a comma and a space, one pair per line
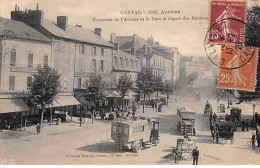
253, 112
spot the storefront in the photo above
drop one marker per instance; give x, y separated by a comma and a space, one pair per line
12, 112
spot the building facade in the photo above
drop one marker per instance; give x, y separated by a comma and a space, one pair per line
77, 52
151, 54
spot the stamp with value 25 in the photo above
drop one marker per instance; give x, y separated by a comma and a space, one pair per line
237, 68
227, 21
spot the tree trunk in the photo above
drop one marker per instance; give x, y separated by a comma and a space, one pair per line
51, 116
167, 99
42, 112
21, 121
25, 122
144, 102
157, 101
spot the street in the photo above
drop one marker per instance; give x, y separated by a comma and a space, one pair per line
92, 144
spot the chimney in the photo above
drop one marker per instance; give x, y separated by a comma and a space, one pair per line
37, 6
157, 44
150, 40
62, 22
15, 7
78, 25
134, 38
98, 31
112, 37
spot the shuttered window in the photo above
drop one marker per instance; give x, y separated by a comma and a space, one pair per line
45, 60
102, 66
30, 60
11, 82
13, 58
29, 82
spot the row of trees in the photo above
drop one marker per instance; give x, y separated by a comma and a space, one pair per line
46, 84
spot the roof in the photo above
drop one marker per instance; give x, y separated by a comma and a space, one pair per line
186, 109
16, 29
12, 105
127, 42
74, 33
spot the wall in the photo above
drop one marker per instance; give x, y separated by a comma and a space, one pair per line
22, 48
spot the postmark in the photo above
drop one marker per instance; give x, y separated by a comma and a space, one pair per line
226, 22
238, 67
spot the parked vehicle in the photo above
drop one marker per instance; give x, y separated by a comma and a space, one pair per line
135, 134
185, 146
186, 120
235, 115
223, 130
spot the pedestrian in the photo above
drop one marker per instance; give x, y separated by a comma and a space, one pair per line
38, 128
177, 155
247, 125
214, 117
243, 125
256, 118
253, 140
227, 117
195, 154
258, 138
134, 109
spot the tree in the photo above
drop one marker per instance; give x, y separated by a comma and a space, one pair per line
192, 77
145, 82
252, 38
45, 87
95, 87
158, 87
168, 88
124, 83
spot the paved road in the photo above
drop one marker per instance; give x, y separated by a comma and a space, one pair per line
92, 145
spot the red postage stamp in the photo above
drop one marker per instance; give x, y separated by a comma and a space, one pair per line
227, 21
238, 65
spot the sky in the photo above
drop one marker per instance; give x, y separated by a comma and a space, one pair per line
187, 35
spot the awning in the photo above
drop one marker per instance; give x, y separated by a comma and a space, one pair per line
131, 93
65, 101
110, 93
12, 105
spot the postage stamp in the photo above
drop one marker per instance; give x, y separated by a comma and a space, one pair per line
238, 68
227, 21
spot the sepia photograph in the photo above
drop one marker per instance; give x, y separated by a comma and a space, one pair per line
129, 82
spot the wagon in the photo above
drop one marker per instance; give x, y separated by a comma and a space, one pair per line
185, 147
223, 130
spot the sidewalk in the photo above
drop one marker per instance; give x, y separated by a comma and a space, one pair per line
47, 130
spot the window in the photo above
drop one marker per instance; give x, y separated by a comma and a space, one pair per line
79, 83
30, 60
29, 82
13, 58
45, 60
56, 63
94, 51
57, 46
81, 49
81, 64
116, 62
122, 62
102, 52
102, 66
11, 82
136, 64
94, 65
132, 64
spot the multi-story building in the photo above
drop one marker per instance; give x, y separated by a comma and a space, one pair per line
124, 63
77, 52
22, 50
151, 55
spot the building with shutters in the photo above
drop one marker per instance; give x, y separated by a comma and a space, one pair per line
77, 52
22, 50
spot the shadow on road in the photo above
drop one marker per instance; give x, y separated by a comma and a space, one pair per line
101, 147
